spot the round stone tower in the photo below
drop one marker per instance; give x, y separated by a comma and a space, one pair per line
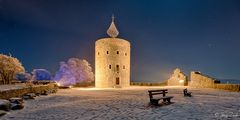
112, 60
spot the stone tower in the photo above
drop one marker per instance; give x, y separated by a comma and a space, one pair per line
112, 60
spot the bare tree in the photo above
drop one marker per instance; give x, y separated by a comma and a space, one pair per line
41, 74
74, 71
9, 67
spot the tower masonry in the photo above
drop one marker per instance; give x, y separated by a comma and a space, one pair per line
112, 60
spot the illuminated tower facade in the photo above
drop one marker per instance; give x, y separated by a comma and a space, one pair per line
112, 60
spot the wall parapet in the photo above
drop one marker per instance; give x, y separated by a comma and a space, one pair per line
6, 94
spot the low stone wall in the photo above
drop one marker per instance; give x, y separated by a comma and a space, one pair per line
148, 84
199, 80
6, 94
231, 87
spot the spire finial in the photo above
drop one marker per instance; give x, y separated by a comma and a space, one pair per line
113, 17
112, 30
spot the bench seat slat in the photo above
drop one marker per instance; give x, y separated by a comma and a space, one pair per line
165, 97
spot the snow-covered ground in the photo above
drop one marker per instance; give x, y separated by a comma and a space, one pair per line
131, 103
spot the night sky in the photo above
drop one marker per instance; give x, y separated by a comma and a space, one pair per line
194, 35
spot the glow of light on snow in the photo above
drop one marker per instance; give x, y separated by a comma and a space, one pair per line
58, 84
181, 81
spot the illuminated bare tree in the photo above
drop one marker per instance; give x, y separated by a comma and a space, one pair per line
9, 67
74, 71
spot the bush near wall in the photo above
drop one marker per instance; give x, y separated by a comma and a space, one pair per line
148, 84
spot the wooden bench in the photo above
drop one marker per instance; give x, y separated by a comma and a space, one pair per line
155, 100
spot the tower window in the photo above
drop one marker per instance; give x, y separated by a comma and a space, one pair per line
98, 53
117, 68
110, 66
125, 54
117, 52
123, 66
107, 52
117, 81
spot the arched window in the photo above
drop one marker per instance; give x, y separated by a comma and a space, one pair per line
123, 66
107, 52
125, 54
117, 52
98, 53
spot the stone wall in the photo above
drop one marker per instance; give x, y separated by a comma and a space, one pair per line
231, 87
164, 83
6, 94
202, 81
178, 78
199, 80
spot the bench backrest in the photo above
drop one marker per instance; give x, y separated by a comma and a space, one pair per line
156, 92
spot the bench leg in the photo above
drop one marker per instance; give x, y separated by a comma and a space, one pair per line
188, 95
154, 102
167, 100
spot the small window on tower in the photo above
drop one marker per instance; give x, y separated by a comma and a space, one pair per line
117, 81
98, 53
123, 66
117, 68
110, 66
117, 52
125, 54
107, 52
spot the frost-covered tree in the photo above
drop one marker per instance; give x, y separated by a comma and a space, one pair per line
23, 76
74, 71
41, 74
9, 67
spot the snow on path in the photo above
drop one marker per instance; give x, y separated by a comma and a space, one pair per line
129, 104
